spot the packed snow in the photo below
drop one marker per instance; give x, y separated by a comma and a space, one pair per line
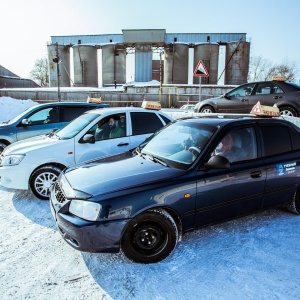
253, 257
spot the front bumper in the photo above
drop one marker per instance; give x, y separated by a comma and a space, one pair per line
15, 177
86, 236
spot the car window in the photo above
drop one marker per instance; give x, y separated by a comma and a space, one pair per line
46, 115
72, 112
166, 120
276, 140
110, 127
238, 145
242, 91
145, 122
267, 88
295, 137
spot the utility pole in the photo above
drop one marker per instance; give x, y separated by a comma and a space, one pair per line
56, 60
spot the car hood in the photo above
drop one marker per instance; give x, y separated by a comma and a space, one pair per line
31, 144
116, 173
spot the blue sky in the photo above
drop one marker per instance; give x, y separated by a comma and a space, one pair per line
272, 26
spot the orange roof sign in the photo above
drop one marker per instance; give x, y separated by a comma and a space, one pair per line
262, 110
201, 70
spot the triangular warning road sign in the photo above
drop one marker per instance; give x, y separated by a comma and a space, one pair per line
256, 109
200, 70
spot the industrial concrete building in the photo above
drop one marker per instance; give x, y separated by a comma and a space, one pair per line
175, 50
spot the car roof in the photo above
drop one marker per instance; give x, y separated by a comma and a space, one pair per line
70, 103
125, 109
224, 121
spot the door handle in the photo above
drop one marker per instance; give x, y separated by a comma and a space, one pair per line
123, 144
255, 174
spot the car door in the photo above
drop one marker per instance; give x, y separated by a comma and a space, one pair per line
236, 101
237, 190
106, 144
39, 122
143, 124
281, 149
267, 93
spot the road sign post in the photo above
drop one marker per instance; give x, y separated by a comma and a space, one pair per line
200, 71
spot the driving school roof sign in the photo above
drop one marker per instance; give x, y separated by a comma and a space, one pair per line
201, 70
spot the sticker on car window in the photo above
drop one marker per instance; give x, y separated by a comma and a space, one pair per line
287, 168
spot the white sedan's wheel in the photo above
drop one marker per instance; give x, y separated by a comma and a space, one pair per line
42, 179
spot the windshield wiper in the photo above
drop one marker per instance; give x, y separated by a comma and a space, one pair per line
157, 160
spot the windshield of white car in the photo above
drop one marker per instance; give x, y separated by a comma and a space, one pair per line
75, 126
179, 144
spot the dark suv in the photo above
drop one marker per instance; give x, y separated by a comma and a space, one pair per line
42, 119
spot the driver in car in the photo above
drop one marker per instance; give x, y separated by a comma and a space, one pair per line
195, 139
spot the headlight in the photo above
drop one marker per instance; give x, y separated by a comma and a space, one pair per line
85, 209
69, 192
11, 160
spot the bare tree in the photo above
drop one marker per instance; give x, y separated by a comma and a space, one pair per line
258, 67
40, 73
261, 69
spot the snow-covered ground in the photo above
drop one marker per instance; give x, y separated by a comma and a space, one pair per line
254, 257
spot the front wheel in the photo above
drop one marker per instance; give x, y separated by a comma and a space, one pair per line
42, 179
288, 111
150, 237
2, 146
207, 109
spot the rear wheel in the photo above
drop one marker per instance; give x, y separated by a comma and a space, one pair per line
207, 109
150, 237
288, 111
42, 179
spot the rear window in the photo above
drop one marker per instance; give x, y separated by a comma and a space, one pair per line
276, 140
293, 84
72, 112
144, 122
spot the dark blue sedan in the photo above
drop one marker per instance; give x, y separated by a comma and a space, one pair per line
194, 172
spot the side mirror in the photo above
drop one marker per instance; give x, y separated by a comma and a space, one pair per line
226, 96
217, 162
25, 122
88, 138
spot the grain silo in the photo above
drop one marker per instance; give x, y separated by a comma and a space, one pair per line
63, 53
176, 63
237, 62
143, 63
113, 64
85, 65
209, 54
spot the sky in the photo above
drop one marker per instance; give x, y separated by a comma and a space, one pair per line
271, 26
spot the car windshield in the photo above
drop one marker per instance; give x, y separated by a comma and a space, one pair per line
178, 144
75, 126
295, 85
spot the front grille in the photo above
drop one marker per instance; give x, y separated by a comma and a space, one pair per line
59, 195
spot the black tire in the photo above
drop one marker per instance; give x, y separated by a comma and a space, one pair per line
150, 237
207, 109
294, 206
2, 146
42, 179
288, 111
